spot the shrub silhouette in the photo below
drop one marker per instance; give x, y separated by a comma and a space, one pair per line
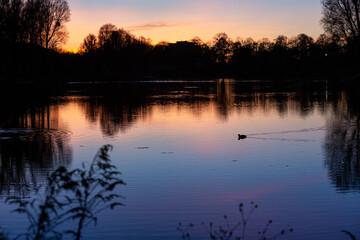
77, 195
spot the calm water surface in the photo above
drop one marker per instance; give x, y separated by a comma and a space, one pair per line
177, 147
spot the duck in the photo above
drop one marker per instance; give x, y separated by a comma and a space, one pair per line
241, 136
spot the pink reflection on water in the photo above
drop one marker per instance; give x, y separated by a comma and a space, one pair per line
259, 192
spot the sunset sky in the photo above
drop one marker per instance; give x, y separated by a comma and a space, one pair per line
174, 20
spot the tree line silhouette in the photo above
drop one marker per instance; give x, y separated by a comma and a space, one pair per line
31, 30
115, 53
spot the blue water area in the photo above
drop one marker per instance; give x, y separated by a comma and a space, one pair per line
176, 144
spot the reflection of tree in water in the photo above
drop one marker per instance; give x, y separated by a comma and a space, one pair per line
116, 108
225, 98
31, 145
275, 99
342, 145
113, 114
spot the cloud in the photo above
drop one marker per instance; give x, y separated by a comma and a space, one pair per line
150, 26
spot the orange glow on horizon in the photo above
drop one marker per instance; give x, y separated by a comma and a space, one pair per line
72, 50
204, 19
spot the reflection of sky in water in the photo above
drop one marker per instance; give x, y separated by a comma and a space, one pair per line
182, 162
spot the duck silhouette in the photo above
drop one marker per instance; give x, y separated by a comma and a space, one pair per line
240, 136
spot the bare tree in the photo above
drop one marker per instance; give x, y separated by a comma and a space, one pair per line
57, 13
264, 45
144, 41
90, 44
281, 41
250, 44
342, 18
162, 43
301, 45
196, 40
105, 34
222, 47
44, 22
32, 21
10, 20
303, 42
121, 39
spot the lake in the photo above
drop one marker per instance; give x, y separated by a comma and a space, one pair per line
176, 144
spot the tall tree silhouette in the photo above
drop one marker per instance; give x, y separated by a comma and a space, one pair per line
56, 14
40, 22
90, 44
342, 18
222, 47
10, 20
105, 33
302, 45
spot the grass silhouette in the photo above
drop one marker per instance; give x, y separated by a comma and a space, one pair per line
236, 231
